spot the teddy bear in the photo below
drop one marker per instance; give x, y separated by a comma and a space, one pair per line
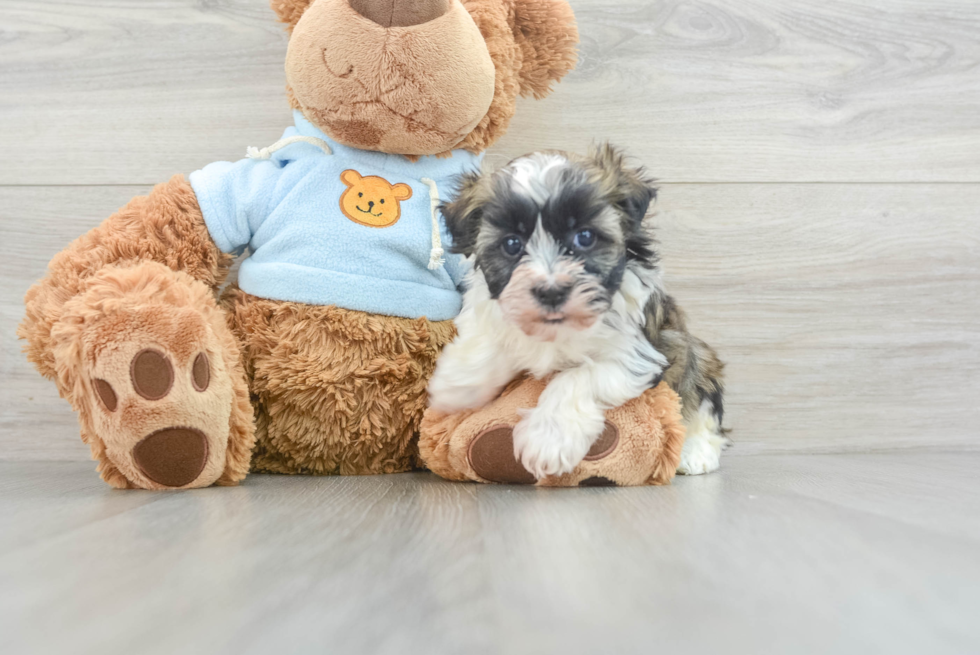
640, 445
316, 360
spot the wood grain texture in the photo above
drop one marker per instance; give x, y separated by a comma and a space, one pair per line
848, 314
773, 554
130, 91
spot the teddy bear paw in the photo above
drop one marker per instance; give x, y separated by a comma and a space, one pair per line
161, 404
491, 455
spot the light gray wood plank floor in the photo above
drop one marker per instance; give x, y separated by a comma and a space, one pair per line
774, 554
820, 168
818, 214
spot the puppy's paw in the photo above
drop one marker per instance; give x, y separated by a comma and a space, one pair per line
451, 398
547, 445
701, 453
449, 394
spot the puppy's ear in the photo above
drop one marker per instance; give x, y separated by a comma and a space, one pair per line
290, 11
631, 189
464, 214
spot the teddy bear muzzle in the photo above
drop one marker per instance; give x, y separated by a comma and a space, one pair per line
412, 100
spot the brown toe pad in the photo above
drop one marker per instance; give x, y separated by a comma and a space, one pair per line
152, 374
491, 455
605, 444
173, 457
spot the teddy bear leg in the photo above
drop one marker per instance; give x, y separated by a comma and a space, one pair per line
146, 358
335, 391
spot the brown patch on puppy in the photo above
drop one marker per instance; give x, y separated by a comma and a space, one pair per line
696, 372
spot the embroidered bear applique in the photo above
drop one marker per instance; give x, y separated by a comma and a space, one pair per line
372, 200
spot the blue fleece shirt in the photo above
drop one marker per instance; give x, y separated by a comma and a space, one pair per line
352, 228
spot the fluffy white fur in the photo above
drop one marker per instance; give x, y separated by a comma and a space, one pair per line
597, 353
596, 369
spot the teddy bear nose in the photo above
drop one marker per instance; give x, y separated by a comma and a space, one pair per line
400, 13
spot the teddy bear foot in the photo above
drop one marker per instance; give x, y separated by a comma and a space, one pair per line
491, 456
155, 384
163, 416
641, 443
162, 408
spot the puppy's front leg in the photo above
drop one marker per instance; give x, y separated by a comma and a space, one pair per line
553, 437
471, 372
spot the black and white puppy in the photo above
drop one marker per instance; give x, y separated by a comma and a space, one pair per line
566, 281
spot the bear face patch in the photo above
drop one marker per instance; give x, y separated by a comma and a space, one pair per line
372, 200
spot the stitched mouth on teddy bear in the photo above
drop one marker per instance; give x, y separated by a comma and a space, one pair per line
368, 211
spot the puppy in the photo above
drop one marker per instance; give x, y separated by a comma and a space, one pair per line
566, 281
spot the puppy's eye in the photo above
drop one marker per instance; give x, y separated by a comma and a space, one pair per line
584, 239
512, 245
360, 195
382, 201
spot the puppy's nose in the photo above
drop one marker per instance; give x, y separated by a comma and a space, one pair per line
553, 297
370, 204
400, 13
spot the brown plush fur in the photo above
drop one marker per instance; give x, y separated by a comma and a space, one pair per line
411, 90
165, 226
290, 11
104, 294
335, 390
531, 43
651, 435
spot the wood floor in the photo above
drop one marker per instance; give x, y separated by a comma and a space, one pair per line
819, 219
871, 553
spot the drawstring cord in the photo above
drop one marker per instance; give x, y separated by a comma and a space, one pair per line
435, 255
266, 153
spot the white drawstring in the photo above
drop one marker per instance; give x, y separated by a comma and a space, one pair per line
435, 255
266, 153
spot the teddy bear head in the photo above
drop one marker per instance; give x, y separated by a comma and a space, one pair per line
422, 77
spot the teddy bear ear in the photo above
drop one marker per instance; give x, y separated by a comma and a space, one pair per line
350, 177
290, 11
401, 191
547, 34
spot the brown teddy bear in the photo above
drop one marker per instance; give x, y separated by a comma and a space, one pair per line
317, 360
641, 444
